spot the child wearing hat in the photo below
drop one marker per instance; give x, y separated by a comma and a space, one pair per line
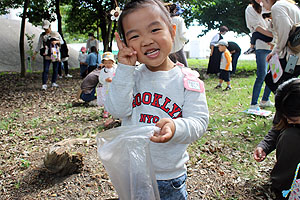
225, 65
105, 78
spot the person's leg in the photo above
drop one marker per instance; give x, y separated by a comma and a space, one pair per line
174, 189
83, 71
55, 72
181, 57
88, 97
59, 69
45, 71
260, 36
261, 72
235, 58
66, 66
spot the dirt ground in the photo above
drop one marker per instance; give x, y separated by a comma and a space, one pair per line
32, 120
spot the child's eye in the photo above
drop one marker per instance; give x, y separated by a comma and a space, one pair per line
156, 29
133, 37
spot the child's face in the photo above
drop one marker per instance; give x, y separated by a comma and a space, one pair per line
108, 63
147, 33
222, 48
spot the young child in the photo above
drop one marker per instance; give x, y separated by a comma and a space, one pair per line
157, 92
82, 60
225, 65
284, 137
105, 78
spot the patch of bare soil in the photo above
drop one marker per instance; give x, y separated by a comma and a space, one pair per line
32, 120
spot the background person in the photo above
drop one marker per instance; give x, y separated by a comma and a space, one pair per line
92, 42
284, 137
177, 53
105, 78
215, 54
235, 52
47, 39
255, 22
64, 60
93, 60
225, 65
284, 15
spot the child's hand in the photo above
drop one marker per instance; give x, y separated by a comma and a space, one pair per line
108, 79
126, 55
166, 133
259, 154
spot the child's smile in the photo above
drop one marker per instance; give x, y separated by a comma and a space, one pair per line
147, 33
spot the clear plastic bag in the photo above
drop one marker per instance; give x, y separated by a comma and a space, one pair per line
125, 154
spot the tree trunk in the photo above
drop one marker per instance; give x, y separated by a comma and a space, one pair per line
58, 15
22, 38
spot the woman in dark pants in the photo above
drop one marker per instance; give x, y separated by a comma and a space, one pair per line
215, 54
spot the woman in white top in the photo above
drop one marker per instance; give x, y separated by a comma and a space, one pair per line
177, 53
284, 15
256, 23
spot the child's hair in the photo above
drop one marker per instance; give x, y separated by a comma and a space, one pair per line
137, 4
286, 101
94, 49
223, 29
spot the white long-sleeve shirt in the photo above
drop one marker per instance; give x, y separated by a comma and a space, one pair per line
141, 97
180, 37
284, 16
254, 20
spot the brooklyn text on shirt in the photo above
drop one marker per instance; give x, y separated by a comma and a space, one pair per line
174, 111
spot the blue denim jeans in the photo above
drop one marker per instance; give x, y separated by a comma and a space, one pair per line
262, 67
88, 97
46, 71
174, 189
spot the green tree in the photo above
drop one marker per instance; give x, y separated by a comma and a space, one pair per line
84, 16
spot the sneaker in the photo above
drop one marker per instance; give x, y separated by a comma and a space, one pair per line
227, 88
218, 86
105, 114
59, 76
44, 87
93, 103
266, 104
254, 107
54, 85
69, 76
249, 51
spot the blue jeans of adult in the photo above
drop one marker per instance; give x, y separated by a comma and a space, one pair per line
88, 97
46, 71
174, 189
83, 71
262, 67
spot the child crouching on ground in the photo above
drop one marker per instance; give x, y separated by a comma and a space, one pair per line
225, 65
106, 74
157, 92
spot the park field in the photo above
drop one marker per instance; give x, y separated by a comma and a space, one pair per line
220, 166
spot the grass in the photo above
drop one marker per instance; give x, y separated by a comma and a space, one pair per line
243, 65
236, 133
229, 141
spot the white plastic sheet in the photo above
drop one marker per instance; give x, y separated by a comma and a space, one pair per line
125, 154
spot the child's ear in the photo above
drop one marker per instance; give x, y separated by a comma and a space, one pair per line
173, 33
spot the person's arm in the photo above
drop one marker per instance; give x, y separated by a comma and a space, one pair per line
38, 47
182, 30
102, 76
268, 144
194, 121
282, 27
120, 95
228, 60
